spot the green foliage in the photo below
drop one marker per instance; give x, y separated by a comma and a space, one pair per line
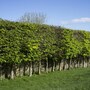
27, 42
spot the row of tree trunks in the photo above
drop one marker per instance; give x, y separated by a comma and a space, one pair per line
29, 68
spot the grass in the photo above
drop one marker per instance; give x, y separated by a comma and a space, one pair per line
76, 79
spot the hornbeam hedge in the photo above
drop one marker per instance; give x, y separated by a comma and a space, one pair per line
27, 48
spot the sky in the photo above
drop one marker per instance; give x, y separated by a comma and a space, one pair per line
74, 14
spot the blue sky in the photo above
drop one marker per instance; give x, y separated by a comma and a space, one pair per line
73, 14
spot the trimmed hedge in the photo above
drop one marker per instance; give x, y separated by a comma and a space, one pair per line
25, 42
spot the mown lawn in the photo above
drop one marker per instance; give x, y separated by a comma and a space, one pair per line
76, 79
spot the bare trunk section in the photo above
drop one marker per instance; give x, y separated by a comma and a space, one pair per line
21, 70
75, 65
30, 68
89, 62
80, 61
77, 62
39, 67
56, 65
26, 68
24, 65
70, 63
61, 65
66, 64
34, 67
81, 65
17, 70
46, 66
53, 65
2, 73
12, 71
85, 62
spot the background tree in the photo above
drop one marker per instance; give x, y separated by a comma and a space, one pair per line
33, 17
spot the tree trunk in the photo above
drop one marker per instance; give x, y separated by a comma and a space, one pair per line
85, 62
78, 63
30, 68
53, 65
33, 67
24, 67
89, 61
56, 65
2, 74
12, 72
70, 63
66, 64
39, 67
81, 63
17, 70
21, 69
46, 66
59, 65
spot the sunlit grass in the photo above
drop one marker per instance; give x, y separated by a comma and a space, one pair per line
76, 79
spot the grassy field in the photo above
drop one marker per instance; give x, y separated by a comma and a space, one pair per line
76, 79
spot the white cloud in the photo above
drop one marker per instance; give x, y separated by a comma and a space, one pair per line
81, 20
77, 20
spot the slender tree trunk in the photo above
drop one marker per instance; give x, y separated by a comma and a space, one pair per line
70, 63
17, 70
12, 71
78, 63
56, 65
30, 68
24, 68
89, 61
53, 65
59, 65
1, 71
82, 63
85, 62
46, 66
75, 63
21, 69
65, 64
33, 67
39, 67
